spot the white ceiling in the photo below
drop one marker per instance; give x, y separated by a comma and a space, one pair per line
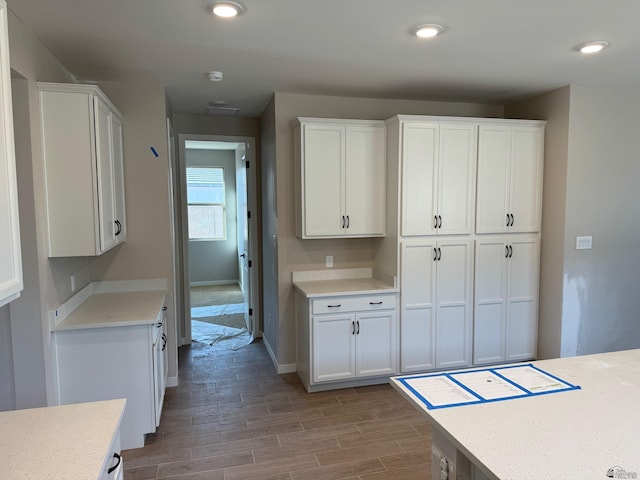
492, 51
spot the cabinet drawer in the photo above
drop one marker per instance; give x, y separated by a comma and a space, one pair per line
356, 303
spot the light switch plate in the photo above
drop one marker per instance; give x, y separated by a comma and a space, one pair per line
584, 243
329, 261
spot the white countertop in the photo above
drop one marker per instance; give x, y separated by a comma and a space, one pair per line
65, 442
349, 286
567, 435
114, 310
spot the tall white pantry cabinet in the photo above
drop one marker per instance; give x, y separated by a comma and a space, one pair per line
10, 256
469, 201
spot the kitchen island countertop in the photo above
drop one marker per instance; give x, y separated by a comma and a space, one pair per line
70, 442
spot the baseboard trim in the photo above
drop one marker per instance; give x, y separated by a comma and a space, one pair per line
172, 381
214, 282
287, 368
284, 368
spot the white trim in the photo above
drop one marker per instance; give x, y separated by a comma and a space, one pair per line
172, 381
213, 282
287, 368
58, 314
280, 369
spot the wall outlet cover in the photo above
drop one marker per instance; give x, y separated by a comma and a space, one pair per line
584, 242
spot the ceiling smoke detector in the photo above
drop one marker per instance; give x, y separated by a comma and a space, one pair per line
215, 76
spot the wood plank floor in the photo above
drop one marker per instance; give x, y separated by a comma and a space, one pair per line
234, 418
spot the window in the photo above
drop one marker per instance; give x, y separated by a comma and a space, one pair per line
205, 203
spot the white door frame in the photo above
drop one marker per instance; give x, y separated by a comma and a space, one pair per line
252, 202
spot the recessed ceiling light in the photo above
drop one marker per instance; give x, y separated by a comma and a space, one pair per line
227, 9
592, 47
428, 30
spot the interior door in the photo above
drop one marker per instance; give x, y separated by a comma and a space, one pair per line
243, 229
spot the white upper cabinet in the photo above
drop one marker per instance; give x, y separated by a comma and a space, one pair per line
510, 159
82, 151
438, 176
340, 178
10, 259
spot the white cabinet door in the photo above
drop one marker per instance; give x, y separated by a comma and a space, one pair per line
438, 178
510, 160
490, 301
334, 343
10, 259
526, 179
456, 178
436, 305
506, 299
453, 304
419, 177
494, 152
104, 159
118, 178
375, 343
417, 300
522, 302
323, 179
365, 180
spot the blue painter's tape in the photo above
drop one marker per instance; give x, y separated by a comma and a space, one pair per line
154, 152
406, 382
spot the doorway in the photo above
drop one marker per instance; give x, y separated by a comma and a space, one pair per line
218, 238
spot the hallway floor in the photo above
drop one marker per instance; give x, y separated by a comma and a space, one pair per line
234, 418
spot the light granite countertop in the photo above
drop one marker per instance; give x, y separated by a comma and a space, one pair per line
115, 310
566, 435
64, 442
353, 281
350, 286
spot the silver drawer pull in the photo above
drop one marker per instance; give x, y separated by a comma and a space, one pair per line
334, 306
375, 303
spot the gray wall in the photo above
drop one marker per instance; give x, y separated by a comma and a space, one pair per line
7, 390
295, 254
216, 261
601, 286
589, 305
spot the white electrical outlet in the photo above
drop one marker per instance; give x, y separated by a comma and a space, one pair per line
329, 261
584, 243
73, 283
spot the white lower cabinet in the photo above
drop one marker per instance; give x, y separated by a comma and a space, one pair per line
435, 299
114, 467
115, 362
358, 341
506, 299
